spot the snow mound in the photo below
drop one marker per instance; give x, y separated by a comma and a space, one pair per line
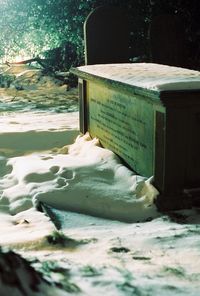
35, 79
87, 179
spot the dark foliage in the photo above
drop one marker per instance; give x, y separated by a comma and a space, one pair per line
54, 28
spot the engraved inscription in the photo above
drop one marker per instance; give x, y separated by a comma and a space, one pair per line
124, 124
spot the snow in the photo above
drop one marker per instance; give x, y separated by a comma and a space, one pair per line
37, 132
147, 75
160, 256
88, 179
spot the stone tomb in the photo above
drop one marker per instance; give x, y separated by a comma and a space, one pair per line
149, 115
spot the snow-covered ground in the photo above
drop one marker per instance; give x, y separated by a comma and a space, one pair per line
155, 254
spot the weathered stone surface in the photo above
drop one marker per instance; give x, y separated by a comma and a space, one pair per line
107, 35
124, 124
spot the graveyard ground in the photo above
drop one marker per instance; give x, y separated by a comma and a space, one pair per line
84, 255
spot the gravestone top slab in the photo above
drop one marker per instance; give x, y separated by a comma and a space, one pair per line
149, 76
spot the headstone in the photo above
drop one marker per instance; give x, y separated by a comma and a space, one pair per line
149, 115
167, 40
107, 36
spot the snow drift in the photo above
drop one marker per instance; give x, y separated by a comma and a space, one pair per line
87, 179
